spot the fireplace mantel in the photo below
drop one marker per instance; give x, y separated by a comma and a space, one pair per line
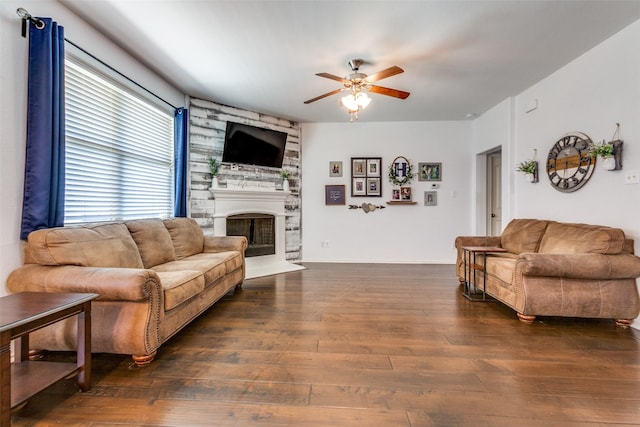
233, 201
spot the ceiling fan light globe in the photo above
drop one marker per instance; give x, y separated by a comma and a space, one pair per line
350, 103
362, 99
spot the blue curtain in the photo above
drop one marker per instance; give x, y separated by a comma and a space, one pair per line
43, 202
180, 178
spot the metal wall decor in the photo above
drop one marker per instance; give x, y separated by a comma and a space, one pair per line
367, 207
569, 163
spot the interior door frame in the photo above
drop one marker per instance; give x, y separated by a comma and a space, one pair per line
495, 153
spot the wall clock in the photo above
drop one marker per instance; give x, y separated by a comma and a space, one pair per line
569, 165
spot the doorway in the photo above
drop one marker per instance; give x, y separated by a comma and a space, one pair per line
494, 193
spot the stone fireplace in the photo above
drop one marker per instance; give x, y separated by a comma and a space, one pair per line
247, 208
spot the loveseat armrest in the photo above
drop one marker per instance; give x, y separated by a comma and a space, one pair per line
471, 241
225, 243
579, 266
112, 284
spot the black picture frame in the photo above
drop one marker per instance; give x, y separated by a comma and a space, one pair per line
366, 177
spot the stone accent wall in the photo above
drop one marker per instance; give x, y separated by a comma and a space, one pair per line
207, 125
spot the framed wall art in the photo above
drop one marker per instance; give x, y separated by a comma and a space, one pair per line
334, 195
405, 194
366, 177
335, 169
431, 198
429, 171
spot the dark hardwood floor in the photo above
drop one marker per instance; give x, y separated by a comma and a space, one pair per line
362, 345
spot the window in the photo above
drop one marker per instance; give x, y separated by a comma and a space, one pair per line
119, 150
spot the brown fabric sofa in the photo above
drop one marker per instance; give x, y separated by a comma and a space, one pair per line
153, 278
559, 269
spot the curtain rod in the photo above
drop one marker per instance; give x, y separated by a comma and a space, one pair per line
39, 24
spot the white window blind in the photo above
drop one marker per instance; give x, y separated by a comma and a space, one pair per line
119, 151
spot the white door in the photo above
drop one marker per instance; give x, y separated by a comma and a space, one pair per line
494, 194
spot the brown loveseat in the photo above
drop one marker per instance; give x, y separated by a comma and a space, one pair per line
153, 278
560, 269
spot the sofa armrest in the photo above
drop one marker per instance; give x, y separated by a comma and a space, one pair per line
112, 284
579, 266
225, 243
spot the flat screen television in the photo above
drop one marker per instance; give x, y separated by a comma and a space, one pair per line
250, 145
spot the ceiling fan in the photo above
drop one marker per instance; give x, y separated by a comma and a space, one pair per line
357, 83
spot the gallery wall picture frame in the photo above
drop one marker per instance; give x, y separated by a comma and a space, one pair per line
373, 186
431, 198
366, 177
335, 169
334, 195
395, 194
358, 187
405, 194
373, 167
429, 171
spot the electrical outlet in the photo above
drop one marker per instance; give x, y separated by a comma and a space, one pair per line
324, 244
632, 177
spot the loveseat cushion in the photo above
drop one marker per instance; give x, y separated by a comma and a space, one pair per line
179, 286
90, 245
563, 238
186, 236
153, 241
523, 235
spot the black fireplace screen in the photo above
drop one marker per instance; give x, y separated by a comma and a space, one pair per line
259, 229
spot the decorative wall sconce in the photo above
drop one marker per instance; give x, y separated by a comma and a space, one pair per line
530, 169
610, 152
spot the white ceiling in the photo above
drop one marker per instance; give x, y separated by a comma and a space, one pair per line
459, 57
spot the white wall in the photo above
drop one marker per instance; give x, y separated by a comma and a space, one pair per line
401, 234
590, 95
493, 130
13, 106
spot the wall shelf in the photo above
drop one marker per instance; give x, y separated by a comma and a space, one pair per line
401, 202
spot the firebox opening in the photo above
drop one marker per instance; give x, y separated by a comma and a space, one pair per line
259, 229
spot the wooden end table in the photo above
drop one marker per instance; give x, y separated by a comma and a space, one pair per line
26, 312
471, 267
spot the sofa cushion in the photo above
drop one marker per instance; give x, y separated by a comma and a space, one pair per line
501, 267
563, 238
153, 240
523, 235
232, 260
179, 286
90, 245
211, 269
186, 235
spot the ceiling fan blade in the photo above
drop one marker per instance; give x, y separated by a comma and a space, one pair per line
333, 92
333, 77
391, 71
389, 92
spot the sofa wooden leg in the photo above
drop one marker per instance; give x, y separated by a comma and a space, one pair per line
238, 287
526, 318
37, 354
623, 323
143, 360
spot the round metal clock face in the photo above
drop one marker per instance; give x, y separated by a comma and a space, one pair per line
569, 165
